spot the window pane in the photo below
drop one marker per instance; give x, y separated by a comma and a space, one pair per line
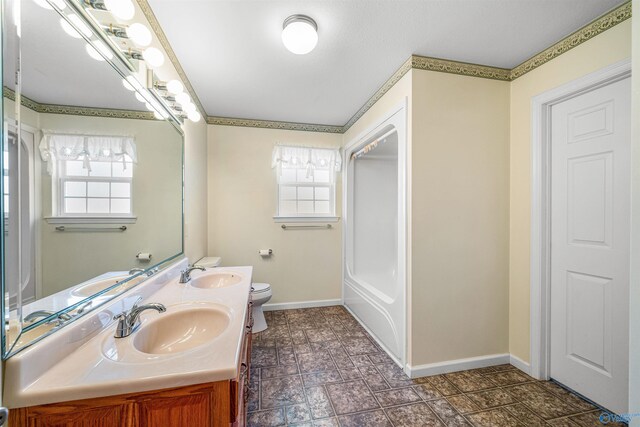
120, 206
287, 208
287, 192
288, 175
119, 170
98, 206
100, 168
301, 176
322, 193
120, 189
72, 206
322, 207
75, 189
75, 168
305, 193
305, 207
321, 176
98, 189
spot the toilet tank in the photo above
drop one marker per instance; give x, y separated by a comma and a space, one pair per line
209, 262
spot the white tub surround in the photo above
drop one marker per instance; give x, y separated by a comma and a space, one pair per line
84, 361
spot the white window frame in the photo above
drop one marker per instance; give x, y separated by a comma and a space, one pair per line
330, 217
57, 197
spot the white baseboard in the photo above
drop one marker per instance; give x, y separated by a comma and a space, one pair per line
520, 364
456, 365
301, 304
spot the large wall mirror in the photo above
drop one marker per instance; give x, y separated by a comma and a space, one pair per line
92, 180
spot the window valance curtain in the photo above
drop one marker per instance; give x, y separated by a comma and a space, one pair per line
307, 158
88, 148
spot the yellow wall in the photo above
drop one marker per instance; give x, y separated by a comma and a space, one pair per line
306, 264
607, 48
460, 202
195, 190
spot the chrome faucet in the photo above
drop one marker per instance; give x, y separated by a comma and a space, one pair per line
185, 275
128, 321
32, 317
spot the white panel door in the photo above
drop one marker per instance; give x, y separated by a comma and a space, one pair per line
590, 220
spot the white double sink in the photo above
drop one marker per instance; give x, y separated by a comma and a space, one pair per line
198, 339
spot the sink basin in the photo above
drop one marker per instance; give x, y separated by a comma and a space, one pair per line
93, 288
216, 280
181, 330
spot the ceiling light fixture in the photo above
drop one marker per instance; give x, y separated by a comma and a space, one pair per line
122, 9
300, 34
194, 116
139, 34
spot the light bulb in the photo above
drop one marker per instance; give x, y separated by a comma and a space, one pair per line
194, 116
183, 98
60, 4
69, 29
300, 34
93, 52
122, 9
140, 98
189, 107
175, 87
153, 57
139, 34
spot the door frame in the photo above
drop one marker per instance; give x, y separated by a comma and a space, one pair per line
540, 282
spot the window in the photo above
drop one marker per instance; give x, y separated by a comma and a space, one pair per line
306, 181
92, 175
103, 190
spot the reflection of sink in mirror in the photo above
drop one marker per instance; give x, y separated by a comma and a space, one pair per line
92, 165
178, 331
30, 335
93, 288
215, 280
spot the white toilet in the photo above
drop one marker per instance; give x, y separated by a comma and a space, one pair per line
261, 293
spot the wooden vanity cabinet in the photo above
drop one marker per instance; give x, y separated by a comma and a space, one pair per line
217, 404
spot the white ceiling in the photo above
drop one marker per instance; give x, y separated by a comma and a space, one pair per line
232, 53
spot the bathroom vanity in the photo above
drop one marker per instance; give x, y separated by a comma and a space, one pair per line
187, 366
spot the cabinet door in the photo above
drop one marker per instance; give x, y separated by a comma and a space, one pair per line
193, 410
107, 416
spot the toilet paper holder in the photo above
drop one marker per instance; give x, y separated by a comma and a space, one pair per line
265, 252
144, 256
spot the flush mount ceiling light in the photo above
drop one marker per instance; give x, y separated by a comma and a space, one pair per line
300, 34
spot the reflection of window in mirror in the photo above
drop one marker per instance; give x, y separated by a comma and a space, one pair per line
103, 189
91, 175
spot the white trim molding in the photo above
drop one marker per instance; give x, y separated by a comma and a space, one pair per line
457, 365
520, 364
301, 304
540, 203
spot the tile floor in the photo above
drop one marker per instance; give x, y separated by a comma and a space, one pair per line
319, 367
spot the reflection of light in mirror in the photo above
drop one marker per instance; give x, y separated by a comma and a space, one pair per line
68, 28
194, 116
175, 87
122, 9
99, 56
93, 53
140, 97
149, 106
134, 82
127, 85
153, 57
189, 107
60, 4
139, 34
157, 115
